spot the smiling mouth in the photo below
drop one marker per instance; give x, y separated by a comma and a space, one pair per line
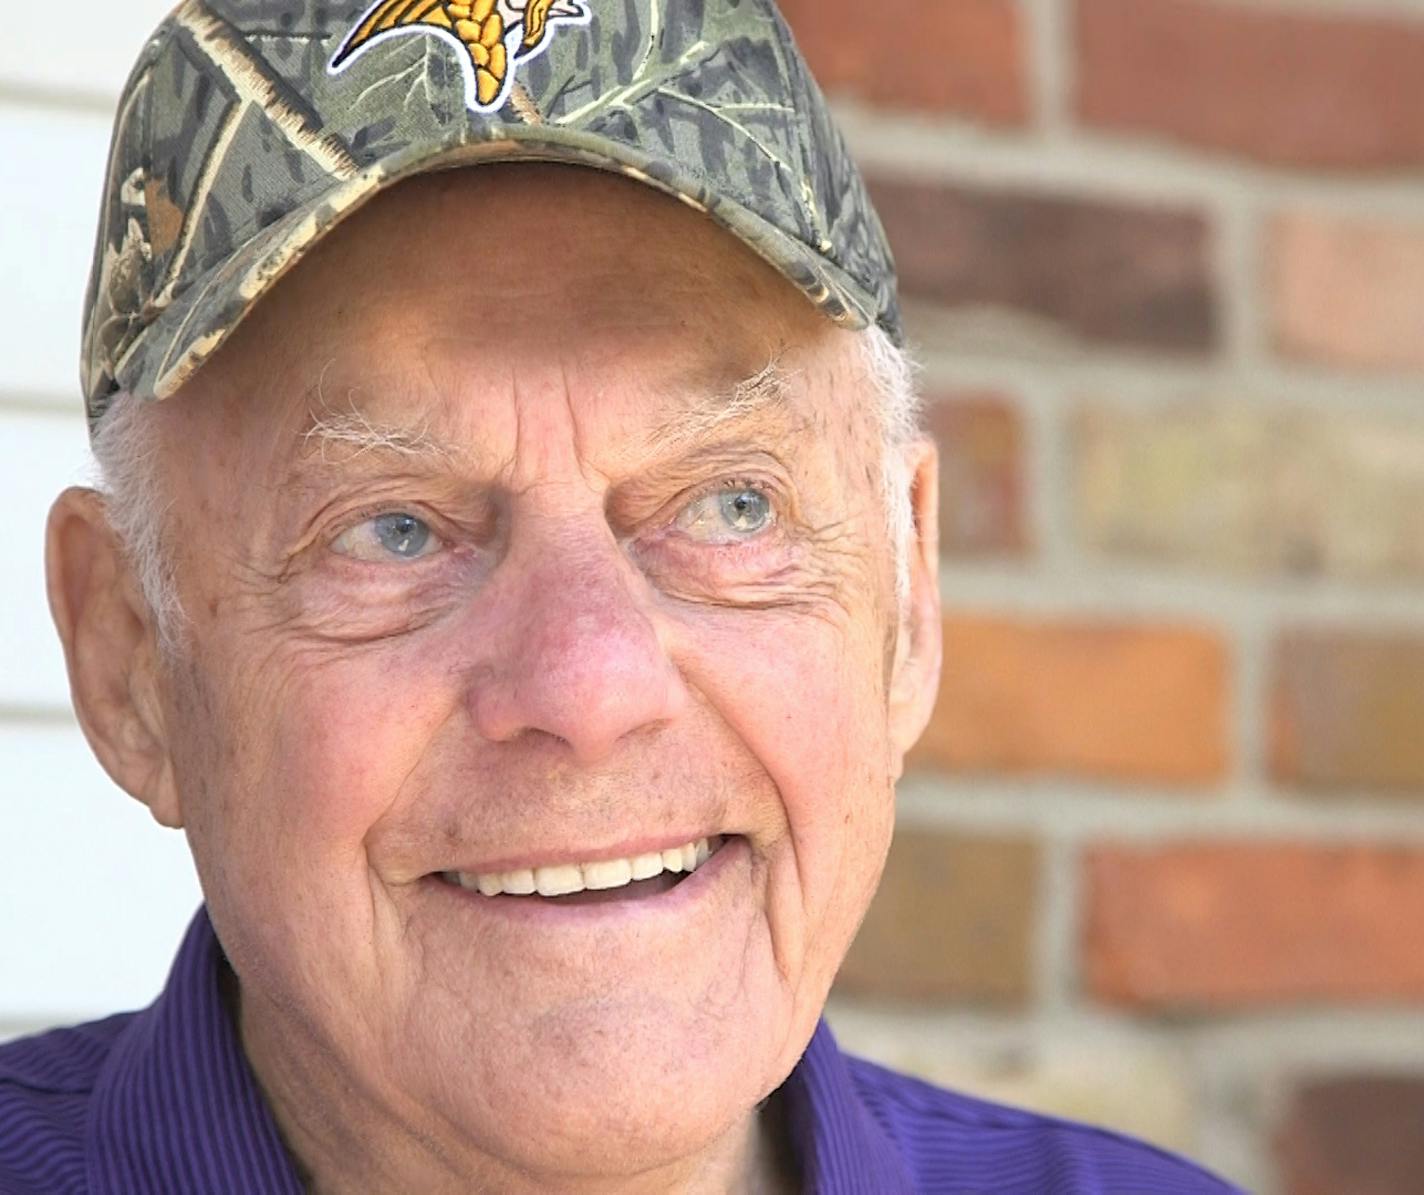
596, 881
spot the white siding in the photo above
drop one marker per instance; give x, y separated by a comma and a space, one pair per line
44, 53
40, 454
93, 894
54, 171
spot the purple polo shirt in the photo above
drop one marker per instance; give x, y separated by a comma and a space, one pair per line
163, 1101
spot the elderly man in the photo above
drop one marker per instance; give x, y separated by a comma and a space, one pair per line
524, 600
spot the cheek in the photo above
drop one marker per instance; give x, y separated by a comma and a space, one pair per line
804, 695
315, 753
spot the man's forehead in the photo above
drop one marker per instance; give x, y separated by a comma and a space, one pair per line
392, 337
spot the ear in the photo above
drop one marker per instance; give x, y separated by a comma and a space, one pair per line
111, 650
914, 678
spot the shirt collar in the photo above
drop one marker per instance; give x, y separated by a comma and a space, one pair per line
842, 1149
177, 1107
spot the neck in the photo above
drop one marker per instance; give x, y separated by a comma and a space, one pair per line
343, 1138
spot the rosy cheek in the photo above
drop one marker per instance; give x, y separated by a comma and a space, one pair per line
346, 740
783, 683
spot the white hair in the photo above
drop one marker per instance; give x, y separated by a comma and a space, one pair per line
891, 371
126, 449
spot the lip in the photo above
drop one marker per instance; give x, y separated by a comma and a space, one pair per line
734, 855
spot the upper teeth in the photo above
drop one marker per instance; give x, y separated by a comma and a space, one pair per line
564, 878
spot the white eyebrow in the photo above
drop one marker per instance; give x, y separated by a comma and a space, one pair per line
767, 388
357, 435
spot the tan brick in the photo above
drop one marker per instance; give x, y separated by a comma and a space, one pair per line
1347, 291
1236, 488
1354, 1133
1217, 926
1338, 90
982, 474
967, 57
1119, 1080
1124, 1081
1144, 703
1096, 270
1347, 712
953, 920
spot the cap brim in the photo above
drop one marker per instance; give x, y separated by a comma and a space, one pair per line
180, 338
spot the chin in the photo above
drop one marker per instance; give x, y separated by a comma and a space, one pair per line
612, 1088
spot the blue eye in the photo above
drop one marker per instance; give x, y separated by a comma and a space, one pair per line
727, 516
745, 511
402, 534
398, 536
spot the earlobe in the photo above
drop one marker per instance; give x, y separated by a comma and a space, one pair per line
915, 678
110, 650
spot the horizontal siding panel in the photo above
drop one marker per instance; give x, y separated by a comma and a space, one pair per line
54, 172
49, 49
96, 893
40, 454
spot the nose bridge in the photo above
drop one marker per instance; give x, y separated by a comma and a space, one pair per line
584, 662
583, 624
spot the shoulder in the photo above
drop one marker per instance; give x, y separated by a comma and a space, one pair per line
46, 1082
955, 1143
63, 1060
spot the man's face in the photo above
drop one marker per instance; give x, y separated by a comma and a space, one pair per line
494, 560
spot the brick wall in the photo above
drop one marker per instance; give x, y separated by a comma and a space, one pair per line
1161, 861
1161, 857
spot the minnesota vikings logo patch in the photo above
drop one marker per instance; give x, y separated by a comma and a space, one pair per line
491, 37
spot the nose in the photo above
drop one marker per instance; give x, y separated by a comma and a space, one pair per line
581, 659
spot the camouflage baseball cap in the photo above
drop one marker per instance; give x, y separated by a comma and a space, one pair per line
248, 128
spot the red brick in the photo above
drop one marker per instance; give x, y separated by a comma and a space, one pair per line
1099, 270
1206, 926
981, 487
1337, 90
1347, 712
953, 920
1355, 1134
1347, 291
1144, 703
967, 57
